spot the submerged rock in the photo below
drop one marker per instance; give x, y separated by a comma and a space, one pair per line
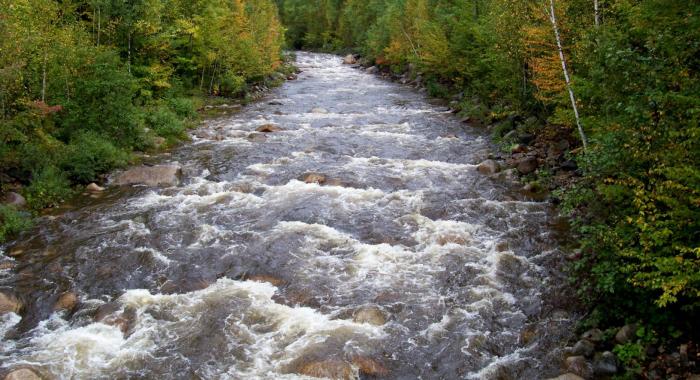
369, 366
160, 175
67, 301
269, 128
370, 314
329, 369
568, 376
22, 374
314, 178
9, 304
266, 278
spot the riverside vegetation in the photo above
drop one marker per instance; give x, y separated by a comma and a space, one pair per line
85, 83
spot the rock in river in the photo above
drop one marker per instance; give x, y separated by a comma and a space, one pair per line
489, 167
9, 304
370, 314
349, 59
66, 301
314, 178
329, 369
268, 128
159, 175
22, 374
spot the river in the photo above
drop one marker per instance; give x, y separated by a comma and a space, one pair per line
405, 263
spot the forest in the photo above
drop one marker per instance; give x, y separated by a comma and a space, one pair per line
84, 84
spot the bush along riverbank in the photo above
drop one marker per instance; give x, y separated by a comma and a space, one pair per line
595, 103
87, 88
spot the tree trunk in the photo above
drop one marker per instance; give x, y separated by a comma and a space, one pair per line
43, 79
99, 25
128, 62
596, 8
555, 27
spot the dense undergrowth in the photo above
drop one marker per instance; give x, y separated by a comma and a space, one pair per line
84, 84
634, 66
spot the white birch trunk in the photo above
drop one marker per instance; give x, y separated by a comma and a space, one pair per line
43, 79
596, 8
562, 58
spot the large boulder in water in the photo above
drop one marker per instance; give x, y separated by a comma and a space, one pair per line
67, 301
22, 374
370, 314
314, 178
9, 304
159, 175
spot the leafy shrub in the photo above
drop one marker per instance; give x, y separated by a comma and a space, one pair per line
165, 123
183, 107
12, 222
48, 188
90, 155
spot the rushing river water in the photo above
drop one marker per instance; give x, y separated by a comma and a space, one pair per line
405, 264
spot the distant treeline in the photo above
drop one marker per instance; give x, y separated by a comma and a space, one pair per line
633, 68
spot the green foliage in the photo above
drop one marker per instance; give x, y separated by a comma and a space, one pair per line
12, 222
164, 122
48, 188
89, 154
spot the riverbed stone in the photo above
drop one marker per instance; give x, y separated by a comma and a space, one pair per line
266, 278
605, 364
269, 128
319, 110
372, 70
568, 376
9, 303
489, 167
579, 366
583, 347
15, 200
159, 175
94, 188
67, 301
370, 314
314, 178
594, 335
349, 60
370, 367
22, 374
626, 334
330, 369
528, 165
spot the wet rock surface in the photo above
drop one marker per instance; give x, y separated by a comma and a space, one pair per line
159, 175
